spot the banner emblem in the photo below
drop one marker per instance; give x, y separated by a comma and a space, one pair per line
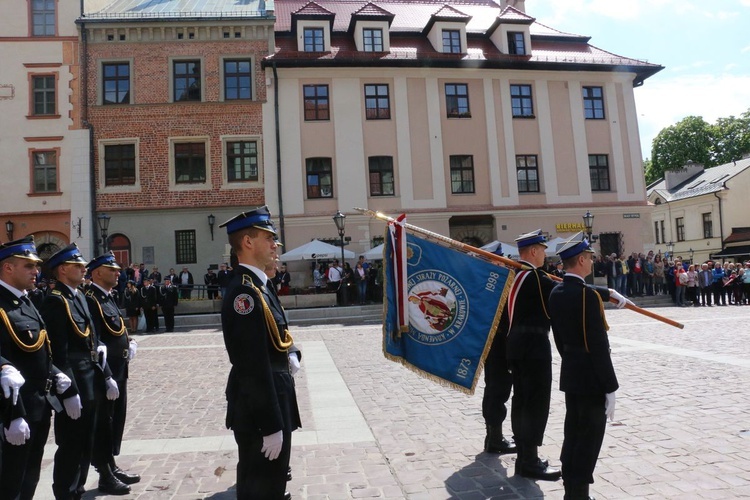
437, 307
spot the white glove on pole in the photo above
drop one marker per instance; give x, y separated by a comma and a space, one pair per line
621, 301
609, 406
73, 406
18, 432
102, 351
63, 382
113, 392
293, 364
132, 348
272, 445
11, 381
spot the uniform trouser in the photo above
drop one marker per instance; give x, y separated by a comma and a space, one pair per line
532, 385
110, 426
74, 439
22, 464
168, 313
152, 318
585, 423
258, 477
498, 383
706, 295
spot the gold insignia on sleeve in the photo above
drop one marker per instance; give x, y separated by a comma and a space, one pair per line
247, 280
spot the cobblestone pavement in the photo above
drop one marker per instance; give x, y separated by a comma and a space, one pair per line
373, 429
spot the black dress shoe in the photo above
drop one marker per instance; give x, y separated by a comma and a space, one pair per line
112, 486
287, 495
504, 447
289, 474
539, 470
125, 477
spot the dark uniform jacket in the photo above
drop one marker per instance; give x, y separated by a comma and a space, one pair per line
528, 336
580, 334
260, 390
110, 326
35, 366
149, 298
74, 341
168, 296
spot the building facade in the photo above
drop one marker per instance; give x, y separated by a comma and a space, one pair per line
174, 95
701, 214
474, 119
43, 147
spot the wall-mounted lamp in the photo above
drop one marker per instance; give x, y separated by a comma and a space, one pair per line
211, 222
104, 228
77, 226
9, 229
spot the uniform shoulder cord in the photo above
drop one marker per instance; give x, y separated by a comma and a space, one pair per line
21, 345
78, 331
116, 333
541, 295
281, 345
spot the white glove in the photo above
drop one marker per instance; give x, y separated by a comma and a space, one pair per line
621, 301
272, 445
293, 364
11, 381
609, 406
113, 392
102, 351
18, 432
63, 382
132, 348
73, 406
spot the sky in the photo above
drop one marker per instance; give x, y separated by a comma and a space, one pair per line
702, 44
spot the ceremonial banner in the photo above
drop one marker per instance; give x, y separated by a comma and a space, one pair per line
452, 303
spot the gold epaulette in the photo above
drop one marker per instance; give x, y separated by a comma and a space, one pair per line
57, 292
247, 280
89, 293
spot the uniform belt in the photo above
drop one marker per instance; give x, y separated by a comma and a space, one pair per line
574, 348
89, 356
125, 353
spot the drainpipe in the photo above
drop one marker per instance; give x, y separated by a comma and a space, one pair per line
278, 150
90, 127
721, 217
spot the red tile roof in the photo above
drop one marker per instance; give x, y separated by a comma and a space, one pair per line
448, 12
313, 9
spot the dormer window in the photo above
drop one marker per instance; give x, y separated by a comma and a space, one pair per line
372, 39
314, 40
451, 41
516, 43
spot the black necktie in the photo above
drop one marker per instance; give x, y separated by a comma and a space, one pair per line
25, 300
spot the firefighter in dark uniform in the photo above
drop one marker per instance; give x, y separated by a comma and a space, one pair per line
25, 348
587, 376
109, 323
168, 298
530, 356
77, 351
498, 383
149, 302
261, 400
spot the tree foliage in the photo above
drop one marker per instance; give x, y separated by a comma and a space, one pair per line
692, 139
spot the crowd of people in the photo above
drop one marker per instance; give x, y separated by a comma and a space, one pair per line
360, 284
688, 284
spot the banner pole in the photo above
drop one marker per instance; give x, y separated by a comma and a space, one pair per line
497, 258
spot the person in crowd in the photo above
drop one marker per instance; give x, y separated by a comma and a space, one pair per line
648, 275
659, 275
680, 284
622, 276
283, 280
78, 352
360, 278
691, 293
262, 406
155, 276
29, 379
669, 279
720, 296
705, 282
132, 304
186, 283
211, 280
168, 298
637, 268
335, 277
348, 281
319, 277
224, 276
587, 376
172, 276
110, 422
149, 303
611, 270
559, 271
746, 284
530, 357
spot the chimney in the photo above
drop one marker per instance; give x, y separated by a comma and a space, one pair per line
674, 178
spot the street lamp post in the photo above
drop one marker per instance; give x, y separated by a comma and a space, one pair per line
692, 253
588, 223
340, 220
103, 228
670, 250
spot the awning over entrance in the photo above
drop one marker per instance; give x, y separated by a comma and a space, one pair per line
739, 251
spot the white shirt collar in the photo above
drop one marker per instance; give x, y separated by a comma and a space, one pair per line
260, 274
15, 291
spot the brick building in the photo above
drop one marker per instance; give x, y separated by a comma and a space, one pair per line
472, 117
174, 95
